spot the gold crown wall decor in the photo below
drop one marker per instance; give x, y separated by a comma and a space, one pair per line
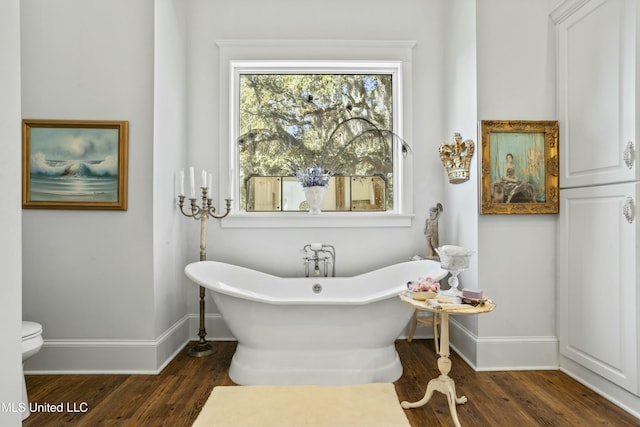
456, 158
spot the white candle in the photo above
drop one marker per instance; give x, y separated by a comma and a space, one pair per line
204, 178
176, 183
193, 182
210, 182
181, 182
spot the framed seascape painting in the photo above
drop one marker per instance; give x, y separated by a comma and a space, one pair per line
71, 164
519, 167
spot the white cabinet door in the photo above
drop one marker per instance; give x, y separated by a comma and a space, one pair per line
598, 318
597, 91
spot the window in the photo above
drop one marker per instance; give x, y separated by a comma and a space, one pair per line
339, 116
314, 57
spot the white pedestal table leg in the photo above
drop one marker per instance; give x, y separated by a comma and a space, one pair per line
444, 384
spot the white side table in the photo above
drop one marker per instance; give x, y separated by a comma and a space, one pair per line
444, 384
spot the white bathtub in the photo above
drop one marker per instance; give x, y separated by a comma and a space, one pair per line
288, 333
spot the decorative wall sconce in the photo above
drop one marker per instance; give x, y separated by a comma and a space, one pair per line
456, 158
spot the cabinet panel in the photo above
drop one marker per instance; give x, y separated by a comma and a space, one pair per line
597, 92
598, 282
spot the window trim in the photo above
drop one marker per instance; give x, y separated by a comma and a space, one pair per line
390, 57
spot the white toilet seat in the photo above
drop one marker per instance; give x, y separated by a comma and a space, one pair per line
30, 330
31, 339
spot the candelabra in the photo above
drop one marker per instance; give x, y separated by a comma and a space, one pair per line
202, 347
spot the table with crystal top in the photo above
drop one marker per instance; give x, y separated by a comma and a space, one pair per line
444, 307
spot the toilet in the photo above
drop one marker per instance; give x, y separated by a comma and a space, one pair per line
31, 344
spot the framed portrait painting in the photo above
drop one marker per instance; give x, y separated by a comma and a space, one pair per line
519, 167
72, 164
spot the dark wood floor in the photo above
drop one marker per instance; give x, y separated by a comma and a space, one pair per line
175, 396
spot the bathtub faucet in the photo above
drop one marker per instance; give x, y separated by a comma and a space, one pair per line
317, 254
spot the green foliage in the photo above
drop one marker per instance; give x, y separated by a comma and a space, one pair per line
340, 122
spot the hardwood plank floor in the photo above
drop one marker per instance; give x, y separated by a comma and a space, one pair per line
176, 396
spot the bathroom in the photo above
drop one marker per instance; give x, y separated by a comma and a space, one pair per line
109, 288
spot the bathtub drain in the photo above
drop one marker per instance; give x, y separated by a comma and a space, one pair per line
317, 288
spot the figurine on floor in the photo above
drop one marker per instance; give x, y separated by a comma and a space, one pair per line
431, 232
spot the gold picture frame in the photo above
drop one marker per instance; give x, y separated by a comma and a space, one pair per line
519, 167
74, 164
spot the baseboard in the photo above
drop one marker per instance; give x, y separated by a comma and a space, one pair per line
216, 327
110, 356
82, 356
504, 353
150, 356
171, 342
616, 395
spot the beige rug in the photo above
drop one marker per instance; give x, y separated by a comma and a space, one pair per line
361, 405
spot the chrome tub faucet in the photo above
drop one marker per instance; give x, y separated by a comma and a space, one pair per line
317, 258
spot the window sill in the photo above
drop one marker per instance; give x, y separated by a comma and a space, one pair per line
324, 220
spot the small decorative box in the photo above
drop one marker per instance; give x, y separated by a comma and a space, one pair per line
472, 293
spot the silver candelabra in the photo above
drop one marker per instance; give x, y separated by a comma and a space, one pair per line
206, 210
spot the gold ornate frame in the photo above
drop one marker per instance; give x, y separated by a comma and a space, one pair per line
58, 173
528, 182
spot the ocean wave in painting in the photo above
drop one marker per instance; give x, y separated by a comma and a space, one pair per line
73, 180
41, 166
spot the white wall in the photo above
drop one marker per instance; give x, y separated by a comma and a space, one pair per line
472, 61
88, 275
279, 251
169, 156
460, 105
117, 276
517, 253
10, 220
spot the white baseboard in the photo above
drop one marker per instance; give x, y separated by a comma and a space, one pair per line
215, 326
150, 356
617, 395
82, 356
504, 353
110, 356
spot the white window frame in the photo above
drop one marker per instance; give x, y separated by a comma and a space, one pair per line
242, 57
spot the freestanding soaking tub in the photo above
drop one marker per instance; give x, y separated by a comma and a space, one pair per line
315, 330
